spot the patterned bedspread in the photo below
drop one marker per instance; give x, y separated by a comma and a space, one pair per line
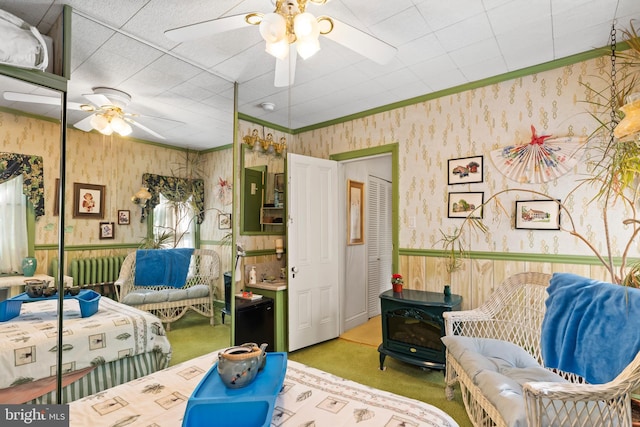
309, 397
29, 342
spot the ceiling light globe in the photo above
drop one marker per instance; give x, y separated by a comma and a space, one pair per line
120, 126
99, 122
273, 28
106, 131
279, 49
307, 47
305, 25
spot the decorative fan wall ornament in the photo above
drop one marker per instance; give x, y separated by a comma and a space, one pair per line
540, 160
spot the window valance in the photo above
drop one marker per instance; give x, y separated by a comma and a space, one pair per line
174, 189
31, 168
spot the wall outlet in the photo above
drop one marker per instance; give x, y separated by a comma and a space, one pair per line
412, 222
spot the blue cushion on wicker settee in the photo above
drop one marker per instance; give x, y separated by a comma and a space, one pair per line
198, 291
499, 369
148, 296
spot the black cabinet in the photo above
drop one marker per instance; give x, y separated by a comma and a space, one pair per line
254, 322
412, 325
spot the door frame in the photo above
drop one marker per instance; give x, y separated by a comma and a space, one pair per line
394, 150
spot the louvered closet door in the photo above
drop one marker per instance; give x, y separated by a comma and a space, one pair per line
378, 239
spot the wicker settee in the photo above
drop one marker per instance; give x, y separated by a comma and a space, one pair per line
514, 314
168, 302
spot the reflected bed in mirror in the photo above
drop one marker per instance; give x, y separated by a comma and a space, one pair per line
262, 193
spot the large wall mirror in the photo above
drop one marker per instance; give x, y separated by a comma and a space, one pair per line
262, 192
113, 165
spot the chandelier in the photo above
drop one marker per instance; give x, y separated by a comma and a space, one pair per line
109, 121
289, 24
265, 145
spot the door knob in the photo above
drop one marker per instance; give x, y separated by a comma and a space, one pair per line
294, 270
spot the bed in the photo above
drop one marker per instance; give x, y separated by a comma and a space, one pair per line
115, 345
309, 397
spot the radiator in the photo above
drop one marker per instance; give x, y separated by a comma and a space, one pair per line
91, 271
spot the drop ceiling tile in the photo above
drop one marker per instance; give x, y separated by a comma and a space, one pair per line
460, 34
513, 16
402, 27
488, 67
420, 49
442, 14
475, 52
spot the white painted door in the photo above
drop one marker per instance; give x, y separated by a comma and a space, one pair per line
312, 250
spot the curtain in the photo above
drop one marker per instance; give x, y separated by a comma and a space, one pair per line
30, 167
13, 224
176, 190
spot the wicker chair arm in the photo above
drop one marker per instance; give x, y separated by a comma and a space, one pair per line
453, 318
580, 405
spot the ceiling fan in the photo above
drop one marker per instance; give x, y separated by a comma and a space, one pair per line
107, 106
290, 31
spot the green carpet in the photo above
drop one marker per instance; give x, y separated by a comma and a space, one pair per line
192, 336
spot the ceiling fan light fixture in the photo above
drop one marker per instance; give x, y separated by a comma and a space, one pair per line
101, 123
305, 25
120, 126
307, 47
273, 28
279, 49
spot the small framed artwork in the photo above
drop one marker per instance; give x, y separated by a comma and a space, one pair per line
278, 182
463, 205
107, 230
355, 213
56, 200
88, 201
538, 214
124, 217
224, 221
465, 170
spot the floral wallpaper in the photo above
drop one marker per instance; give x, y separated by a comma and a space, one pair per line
473, 123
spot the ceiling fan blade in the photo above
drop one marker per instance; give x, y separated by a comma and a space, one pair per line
84, 124
206, 28
38, 99
27, 97
286, 68
361, 42
146, 129
98, 99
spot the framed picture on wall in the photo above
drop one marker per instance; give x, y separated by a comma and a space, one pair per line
107, 230
278, 182
56, 201
465, 170
538, 214
463, 204
224, 221
88, 201
124, 217
355, 213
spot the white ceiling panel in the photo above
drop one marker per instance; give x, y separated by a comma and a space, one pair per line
188, 86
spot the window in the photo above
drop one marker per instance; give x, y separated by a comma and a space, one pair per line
174, 223
13, 226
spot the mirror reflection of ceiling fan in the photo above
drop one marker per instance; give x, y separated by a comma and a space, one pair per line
290, 31
107, 106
